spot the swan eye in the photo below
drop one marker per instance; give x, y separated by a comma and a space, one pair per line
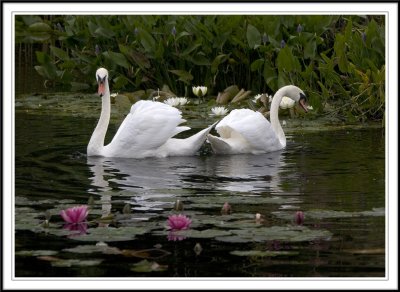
101, 80
302, 96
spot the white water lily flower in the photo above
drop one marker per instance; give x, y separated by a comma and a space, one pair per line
183, 100
172, 101
310, 107
114, 94
219, 111
257, 97
176, 101
286, 102
199, 90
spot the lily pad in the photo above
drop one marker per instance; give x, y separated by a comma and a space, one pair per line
108, 234
98, 248
146, 266
260, 253
218, 201
36, 253
283, 233
191, 233
323, 214
66, 263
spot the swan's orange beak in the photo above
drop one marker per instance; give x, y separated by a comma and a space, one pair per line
303, 102
101, 89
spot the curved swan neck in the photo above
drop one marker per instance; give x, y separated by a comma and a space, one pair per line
276, 125
96, 142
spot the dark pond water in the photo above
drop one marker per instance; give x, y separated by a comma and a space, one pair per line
337, 178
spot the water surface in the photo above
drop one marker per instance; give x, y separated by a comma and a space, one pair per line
336, 177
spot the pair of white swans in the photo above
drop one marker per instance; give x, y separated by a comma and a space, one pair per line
149, 128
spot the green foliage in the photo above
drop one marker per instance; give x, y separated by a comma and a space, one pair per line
335, 59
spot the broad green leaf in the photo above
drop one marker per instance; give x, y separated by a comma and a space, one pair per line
147, 41
39, 27
257, 64
117, 58
63, 55
42, 57
217, 61
286, 61
104, 32
183, 75
310, 49
253, 36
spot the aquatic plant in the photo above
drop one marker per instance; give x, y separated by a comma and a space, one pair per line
336, 59
299, 217
199, 90
75, 214
219, 111
226, 209
286, 103
176, 101
179, 222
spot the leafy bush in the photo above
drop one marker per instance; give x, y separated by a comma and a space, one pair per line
335, 59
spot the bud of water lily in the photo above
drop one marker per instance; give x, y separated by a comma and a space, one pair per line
173, 31
197, 248
178, 206
226, 209
126, 209
259, 218
46, 224
283, 44
47, 215
199, 90
136, 31
91, 201
299, 217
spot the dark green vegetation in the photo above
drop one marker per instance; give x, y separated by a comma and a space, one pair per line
339, 61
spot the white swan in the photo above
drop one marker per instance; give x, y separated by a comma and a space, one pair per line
247, 131
147, 130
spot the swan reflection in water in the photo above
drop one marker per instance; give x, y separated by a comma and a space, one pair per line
147, 180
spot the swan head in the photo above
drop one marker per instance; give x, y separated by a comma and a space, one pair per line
296, 94
102, 78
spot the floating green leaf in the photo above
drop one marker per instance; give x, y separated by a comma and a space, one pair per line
261, 253
146, 267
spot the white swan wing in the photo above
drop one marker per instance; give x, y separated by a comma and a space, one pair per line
250, 126
147, 127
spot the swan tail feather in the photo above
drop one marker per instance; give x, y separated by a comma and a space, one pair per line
218, 145
198, 139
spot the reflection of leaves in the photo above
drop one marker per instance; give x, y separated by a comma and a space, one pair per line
108, 234
260, 253
73, 262
152, 253
286, 233
98, 248
322, 214
35, 253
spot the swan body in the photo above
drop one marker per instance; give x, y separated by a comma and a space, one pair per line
247, 131
147, 131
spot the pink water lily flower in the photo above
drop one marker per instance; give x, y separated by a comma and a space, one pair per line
75, 215
299, 217
179, 222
